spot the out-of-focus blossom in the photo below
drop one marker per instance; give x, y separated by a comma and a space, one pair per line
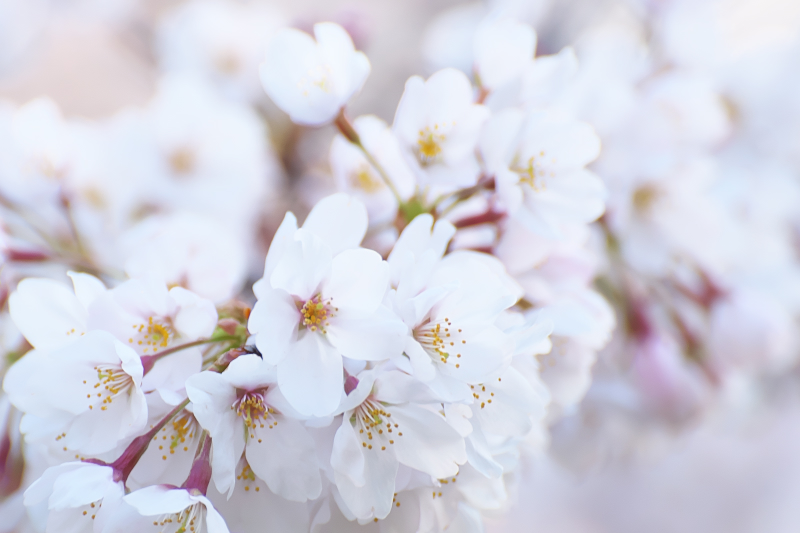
312, 79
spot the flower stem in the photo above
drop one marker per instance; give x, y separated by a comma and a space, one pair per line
346, 128
149, 360
200, 474
126, 462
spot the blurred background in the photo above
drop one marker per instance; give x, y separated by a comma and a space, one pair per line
698, 106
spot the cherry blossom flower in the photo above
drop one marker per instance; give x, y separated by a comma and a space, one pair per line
80, 497
438, 125
245, 413
320, 299
386, 423
175, 510
538, 161
312, 79
85, 395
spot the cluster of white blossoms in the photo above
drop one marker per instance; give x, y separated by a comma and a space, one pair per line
230, 303
697, 248
393, 362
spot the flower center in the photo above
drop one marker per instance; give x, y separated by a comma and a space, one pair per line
316, 312
184, 426
191, 519
533, 174
441, 340
152, 336
254, 410
429, 145
318, 77
182, 161
112, 381
365, 179
374, 425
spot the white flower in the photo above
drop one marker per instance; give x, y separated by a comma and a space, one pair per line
386, 424
355, 175
220, 41
245, 412
320, 299
86, 395
144, 315
190, 150
81, 497
438, 125
313, 80
450, 306
538, 160
176, 510
187, 249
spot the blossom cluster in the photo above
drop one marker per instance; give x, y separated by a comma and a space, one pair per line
392, 363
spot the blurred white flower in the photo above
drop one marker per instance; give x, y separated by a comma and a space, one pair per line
312, 79
438, 124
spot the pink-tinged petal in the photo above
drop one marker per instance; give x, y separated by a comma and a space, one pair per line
46, 312
357, 396
381, 336
274, 321
311, 377
358, 281
428, 442
159, 499
87, 287
339, 220
304, 265
347, 458
285, 458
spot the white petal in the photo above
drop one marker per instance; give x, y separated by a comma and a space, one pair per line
285, 458
428, 442
46, 312
311, 376
196, 316
347, 458
340, 220
249, 372
274, 321
374, 498
80, 486
158, 500
382, 336
283, 237
358, 281
87, 287
303, 266
212, 397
